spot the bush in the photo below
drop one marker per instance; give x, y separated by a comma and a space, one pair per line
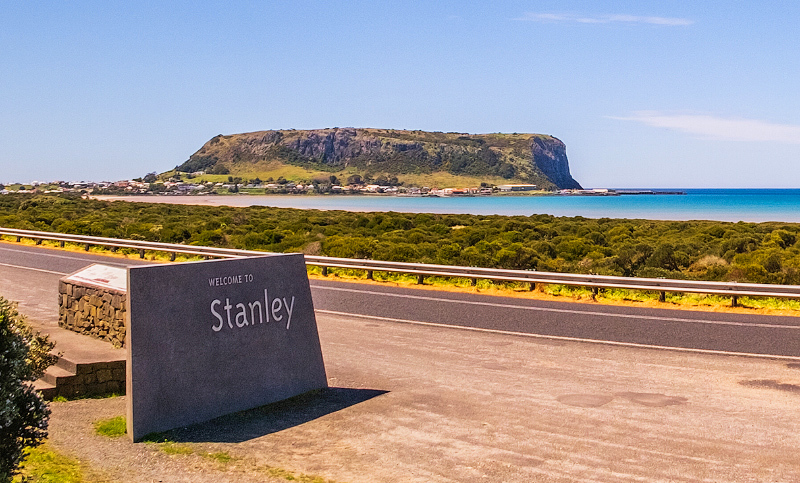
24, 356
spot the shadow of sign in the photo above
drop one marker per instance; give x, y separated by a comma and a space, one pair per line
271, 418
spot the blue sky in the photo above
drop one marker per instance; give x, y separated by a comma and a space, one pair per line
644, 94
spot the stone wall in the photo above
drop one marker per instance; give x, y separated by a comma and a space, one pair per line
95, 379
99, 312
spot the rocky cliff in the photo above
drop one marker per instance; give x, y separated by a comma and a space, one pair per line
532, 158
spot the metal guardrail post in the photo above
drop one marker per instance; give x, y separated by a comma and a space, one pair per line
369, 275
141, 253
324, 271
420, 279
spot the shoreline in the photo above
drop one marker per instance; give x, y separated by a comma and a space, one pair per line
694, 206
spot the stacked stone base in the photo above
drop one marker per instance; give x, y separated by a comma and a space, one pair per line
93, 311
86, 380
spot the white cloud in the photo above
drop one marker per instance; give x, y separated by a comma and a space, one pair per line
719, 128
630, 19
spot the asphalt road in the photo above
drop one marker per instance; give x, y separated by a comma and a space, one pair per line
704, 331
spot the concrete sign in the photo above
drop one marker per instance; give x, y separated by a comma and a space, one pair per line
211, 338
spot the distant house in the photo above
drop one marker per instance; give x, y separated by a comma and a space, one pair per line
517, 187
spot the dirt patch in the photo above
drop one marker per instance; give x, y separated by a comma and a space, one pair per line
652, 399
772, 384
585, 400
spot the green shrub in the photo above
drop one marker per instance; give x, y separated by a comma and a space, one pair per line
748, 252
24, 355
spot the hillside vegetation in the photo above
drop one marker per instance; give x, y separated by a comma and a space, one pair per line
407, 155
703, 250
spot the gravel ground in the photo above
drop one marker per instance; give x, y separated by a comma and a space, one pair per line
117, 459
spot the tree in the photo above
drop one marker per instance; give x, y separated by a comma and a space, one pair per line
24, 356
218, 169
150, 177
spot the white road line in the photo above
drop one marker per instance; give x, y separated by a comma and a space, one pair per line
563, 311
558, 337
31, 268
43, 253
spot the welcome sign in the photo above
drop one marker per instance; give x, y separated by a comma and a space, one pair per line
211, 338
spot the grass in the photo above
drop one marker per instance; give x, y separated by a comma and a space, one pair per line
274, 170
44, 465
221, 457
162, 442
107, 395
112, 428
173, 448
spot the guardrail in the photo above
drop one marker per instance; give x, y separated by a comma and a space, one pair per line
421, 270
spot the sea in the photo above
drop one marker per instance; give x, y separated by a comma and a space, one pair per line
748, 205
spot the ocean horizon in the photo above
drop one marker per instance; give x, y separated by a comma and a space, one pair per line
717, 204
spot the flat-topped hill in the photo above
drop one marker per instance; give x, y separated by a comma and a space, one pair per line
530, 158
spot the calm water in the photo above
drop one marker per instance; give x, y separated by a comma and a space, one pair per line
697, 204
